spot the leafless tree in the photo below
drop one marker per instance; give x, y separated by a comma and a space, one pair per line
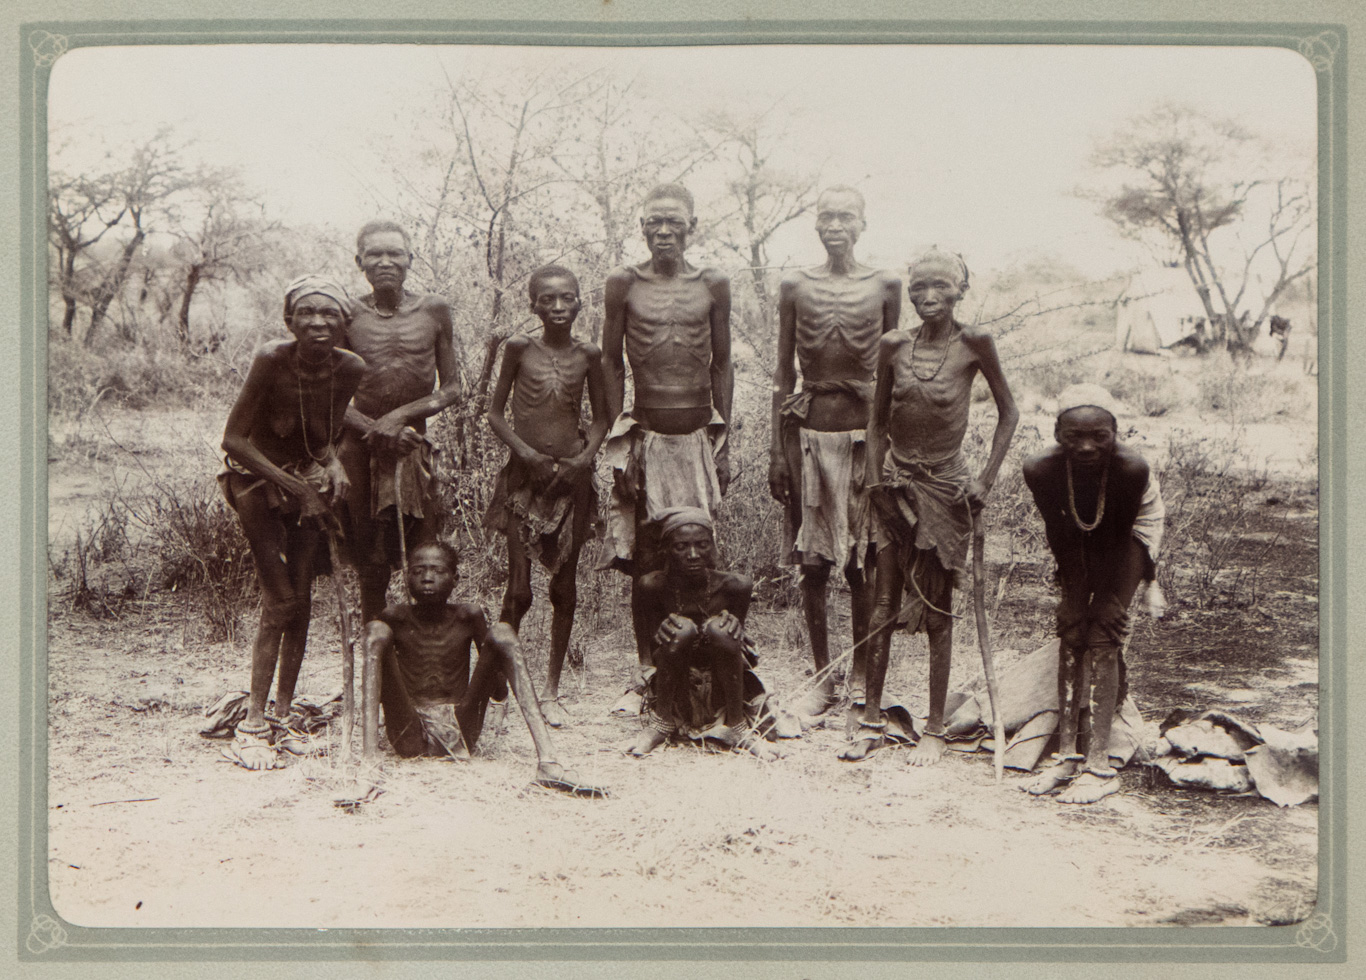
1194, 182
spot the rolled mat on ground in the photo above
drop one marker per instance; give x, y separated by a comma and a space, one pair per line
1218, 751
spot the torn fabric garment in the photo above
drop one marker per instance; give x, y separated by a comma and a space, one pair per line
653, 472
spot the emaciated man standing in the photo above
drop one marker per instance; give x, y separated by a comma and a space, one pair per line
831, 317
406, 341
669, 449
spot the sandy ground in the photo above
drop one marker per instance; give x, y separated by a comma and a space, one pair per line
147, 827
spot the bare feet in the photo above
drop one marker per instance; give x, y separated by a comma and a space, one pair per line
869, 738
554, 713
252, 750
552, 775
1057, 775
649, 740
928, 751
1091, 787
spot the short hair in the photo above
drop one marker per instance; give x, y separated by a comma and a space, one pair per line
936, 254
549, 272
843, 189
379, 225
447, 550
673, 192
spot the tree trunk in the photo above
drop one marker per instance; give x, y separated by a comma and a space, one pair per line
183, 320
111, 285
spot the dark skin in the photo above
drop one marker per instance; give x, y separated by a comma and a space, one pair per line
546, 378
290, 408
930, 418
424, 652
830, 319
690, 601
408, 345
1087, 436
674, 324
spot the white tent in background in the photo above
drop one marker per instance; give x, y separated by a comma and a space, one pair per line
1158, 308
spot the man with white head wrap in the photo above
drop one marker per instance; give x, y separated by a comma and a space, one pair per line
1102, 512
700, 684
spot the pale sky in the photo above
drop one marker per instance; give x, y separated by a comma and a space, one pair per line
977, 148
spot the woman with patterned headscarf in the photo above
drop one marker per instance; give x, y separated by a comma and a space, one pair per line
283, 478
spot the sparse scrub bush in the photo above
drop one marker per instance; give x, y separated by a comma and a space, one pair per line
1152, 394
1242, 395
1210, 508
135, 377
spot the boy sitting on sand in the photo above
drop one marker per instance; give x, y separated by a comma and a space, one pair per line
420, 655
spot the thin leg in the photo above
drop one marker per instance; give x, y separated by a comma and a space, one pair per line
814, 588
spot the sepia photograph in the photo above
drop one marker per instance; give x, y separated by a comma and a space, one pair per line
752, 485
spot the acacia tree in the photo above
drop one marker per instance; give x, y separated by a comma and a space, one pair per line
1197, 183
81, 211
761, 194
146, 189
223, 236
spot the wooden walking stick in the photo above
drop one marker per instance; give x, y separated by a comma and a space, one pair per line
348, 652
979, 605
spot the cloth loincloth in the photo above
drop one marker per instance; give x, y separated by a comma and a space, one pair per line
414, 469
652, 472
544, 524
829, 520
405, 481
440, 730
699, 713
236, 481
923, 514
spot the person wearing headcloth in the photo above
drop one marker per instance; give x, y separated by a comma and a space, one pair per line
830, 319
408, 345
1103, 517
925, 499
700, 685
284, 480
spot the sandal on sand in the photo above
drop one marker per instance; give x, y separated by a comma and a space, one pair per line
873, 732
1094, 783
568, 782
252, 750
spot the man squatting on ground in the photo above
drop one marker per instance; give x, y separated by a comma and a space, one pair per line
1101, 557
432, 705
669, 450
831, 317
701, 684
281, 457
545, 499
924, 498
406, 341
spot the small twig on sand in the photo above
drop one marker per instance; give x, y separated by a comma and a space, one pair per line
145, 799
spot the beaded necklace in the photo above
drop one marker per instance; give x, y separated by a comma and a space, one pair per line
943, 357
1100, 500
331, 402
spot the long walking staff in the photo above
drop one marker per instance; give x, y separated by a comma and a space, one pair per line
348, 652
979, 605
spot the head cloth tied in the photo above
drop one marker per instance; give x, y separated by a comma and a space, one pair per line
671, 520
1087, 395
306, 285
951, 259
